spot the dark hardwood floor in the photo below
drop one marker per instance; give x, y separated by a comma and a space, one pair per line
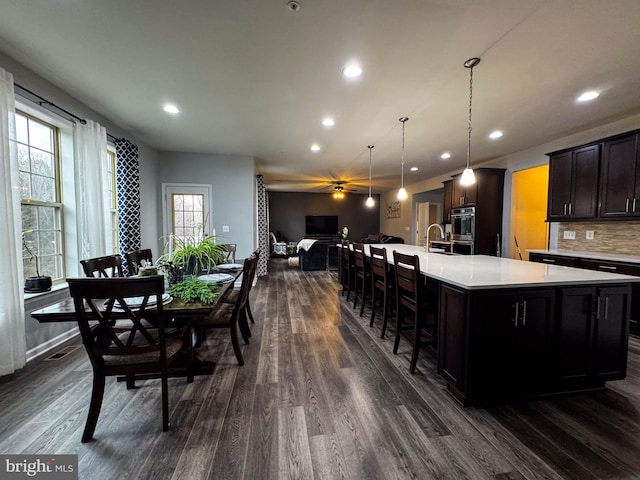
320, 396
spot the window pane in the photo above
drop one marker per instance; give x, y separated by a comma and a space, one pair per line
25, 185
21, 129
23, 158
47, 243
29, 218
40, 136
46, 218
42, 163
177, 202
43, 188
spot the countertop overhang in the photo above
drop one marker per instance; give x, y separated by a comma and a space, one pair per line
478, 272
615, 257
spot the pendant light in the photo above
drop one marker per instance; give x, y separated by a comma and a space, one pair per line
370, 201
468, 177
402, 193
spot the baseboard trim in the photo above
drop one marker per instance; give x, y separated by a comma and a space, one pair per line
49, 345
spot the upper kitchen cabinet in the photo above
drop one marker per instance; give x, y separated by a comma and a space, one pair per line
573, 183
619, 180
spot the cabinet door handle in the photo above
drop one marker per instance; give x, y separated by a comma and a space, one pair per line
626, 206
524, 313
633, 208
598, 309
565, 209
606, 308
570, 208
608, 267
548, 260
516, 317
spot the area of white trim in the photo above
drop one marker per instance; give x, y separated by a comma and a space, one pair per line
51, 344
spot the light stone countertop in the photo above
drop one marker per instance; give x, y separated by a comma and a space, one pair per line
474, 272
591, 255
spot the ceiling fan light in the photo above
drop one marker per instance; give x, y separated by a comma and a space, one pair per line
468, 177
402, 194
370, 202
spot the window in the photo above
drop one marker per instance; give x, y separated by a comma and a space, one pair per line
188, 215
111, 172
39, 170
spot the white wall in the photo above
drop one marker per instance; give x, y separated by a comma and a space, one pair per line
233, 190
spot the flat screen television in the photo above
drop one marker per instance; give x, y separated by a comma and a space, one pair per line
321, 225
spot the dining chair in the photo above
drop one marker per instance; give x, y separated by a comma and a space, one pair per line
137, 259
136, 348
231, 295
230, 252
382, 286
232, 316
412, 305
362, 283
107, 266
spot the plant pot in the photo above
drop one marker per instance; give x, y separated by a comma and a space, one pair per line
37, 284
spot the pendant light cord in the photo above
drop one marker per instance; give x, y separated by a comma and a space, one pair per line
470, 100
370, 147
403, 120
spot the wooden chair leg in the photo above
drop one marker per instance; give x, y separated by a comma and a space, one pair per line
235, 344
244, 326
416, 346
165, 402
374, 298
131, 381
364, 297
94, 407
385, 314
250, 314
396, 344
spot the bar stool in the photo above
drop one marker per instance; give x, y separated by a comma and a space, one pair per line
347, 275
411, 301
382, 286
362, 283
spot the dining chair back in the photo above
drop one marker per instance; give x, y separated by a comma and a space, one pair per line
229, 252
137, 259
382, 286
233, 315
411, 305
124, 348
362, 284
107, 266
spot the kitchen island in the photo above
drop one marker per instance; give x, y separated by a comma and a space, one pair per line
510, 329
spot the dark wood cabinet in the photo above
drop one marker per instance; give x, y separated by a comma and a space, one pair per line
619, 180
591, 335
625, 268
486, 195
553, 259
452, 337
512, 344
573, 183
446, 203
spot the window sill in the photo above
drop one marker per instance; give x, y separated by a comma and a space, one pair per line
40, 295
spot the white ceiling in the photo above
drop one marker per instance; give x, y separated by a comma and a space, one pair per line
253, 78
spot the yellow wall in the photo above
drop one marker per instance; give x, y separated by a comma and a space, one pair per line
529, 210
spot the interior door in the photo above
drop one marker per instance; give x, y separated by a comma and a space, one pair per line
422, 223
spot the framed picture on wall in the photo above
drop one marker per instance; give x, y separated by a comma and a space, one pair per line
393, 209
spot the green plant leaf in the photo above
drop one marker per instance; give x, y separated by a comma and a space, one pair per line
194, 290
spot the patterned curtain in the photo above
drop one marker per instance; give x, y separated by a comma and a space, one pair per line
263, 226
128, 190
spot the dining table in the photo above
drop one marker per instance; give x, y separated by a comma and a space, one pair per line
177, 313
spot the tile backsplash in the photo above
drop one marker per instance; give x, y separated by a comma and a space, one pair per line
608, 237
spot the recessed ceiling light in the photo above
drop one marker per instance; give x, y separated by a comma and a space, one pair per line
315, 147
328, 122
171, 108
586, 96
495, 134
352, 70
414, 169
445, 155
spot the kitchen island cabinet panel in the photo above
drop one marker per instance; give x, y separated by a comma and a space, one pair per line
453, 336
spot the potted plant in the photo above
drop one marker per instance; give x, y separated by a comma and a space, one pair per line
39, 283
193, 255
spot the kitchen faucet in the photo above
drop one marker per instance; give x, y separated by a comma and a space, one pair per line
426, 245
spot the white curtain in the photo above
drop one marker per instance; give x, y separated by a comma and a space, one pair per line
93, 201
12, 331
